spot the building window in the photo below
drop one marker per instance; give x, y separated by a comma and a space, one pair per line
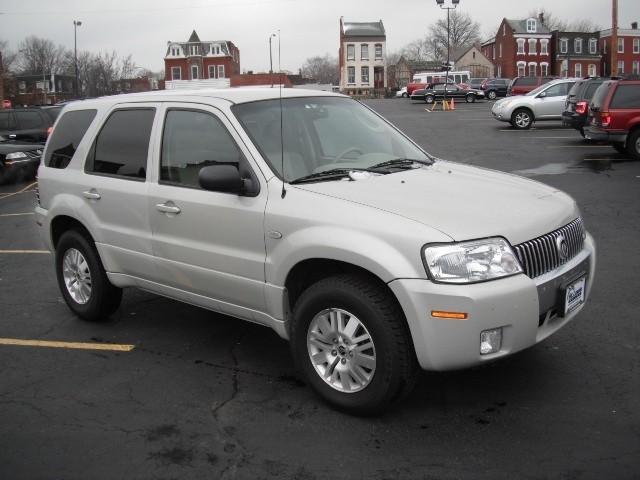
504, 29
378, 51
577, 45
620, 45
193, 49
522, 69
544, 69
564, 45
636, 67
533, 50
593, 46
221, 71
351, 52
544, 47
636, 45
521, 46
364, 52
620, 67
592, 70
578, 70
351, 75
176, 73
604, 46
532, 69
531, 25
493, 51
364, 75
212, 71
499, 51
194, 72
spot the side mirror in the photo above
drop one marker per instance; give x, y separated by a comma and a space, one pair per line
542, 95
221, 178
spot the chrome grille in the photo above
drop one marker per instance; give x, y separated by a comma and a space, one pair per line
540, 255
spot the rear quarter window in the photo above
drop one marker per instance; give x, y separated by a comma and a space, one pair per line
600, 95
626, 96
66, 137
591, 89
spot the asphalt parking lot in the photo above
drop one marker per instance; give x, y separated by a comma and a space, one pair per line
179, 392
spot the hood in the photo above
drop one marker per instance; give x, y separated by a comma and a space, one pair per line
461, 201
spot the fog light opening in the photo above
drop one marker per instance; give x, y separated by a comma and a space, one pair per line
490, 341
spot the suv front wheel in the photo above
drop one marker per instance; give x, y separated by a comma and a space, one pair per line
491, 94
633, 145
82, 280
350, 340
522, 119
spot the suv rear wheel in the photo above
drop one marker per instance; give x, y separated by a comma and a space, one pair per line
82, 279
351, 342
522, 119
633, 144
491, 94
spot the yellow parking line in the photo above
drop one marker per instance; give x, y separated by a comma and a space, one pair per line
23, 190
24, 251
70, 345
15, 214
580, 146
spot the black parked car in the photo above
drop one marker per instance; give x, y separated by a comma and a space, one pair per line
476, 83
18, 160
576, 107
495, 87
28, 124
430, 95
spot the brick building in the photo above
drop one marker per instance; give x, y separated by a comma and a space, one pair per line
400, 74
200, 63
628, 61
575, 54
362, 57
520, 48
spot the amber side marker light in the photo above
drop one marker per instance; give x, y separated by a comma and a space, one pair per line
449, 315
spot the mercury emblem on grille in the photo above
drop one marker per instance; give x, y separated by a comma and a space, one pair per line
562, 247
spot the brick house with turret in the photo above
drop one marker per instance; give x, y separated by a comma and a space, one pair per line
576, 54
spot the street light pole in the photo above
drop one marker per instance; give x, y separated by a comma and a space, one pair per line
454, 4
271, 60
76, 24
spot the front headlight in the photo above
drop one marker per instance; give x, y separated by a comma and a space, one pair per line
470, 262
16, 156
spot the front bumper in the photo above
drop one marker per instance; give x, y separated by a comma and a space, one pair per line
522, 306
600, 135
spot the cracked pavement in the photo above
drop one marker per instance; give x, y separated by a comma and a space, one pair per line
206, 396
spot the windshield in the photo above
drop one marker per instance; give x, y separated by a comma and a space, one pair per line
536, 91
321, 134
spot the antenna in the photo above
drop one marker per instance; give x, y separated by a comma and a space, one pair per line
284, 191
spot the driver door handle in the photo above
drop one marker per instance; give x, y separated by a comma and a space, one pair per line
168, 207
91, 194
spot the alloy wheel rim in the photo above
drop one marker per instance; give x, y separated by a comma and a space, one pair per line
522, 119
77, 276
341, 350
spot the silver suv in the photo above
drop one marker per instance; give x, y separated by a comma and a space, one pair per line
544, 103
314, 216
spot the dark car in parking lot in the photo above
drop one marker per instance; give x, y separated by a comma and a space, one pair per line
18, 160
614, 116
495, 87
457, 92
522, 85
576, 107
476, 83
28, 124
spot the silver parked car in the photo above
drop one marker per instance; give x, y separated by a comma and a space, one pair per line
544, 103
324, 230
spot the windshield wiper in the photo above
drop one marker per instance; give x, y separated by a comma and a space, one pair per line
331, 174
400, 162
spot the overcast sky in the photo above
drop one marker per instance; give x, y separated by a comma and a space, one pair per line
308, 27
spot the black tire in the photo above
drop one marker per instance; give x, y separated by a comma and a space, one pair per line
633, 144
104, 298
492, 95
429, 99
396, 367
620, 147
522, 119
405, 95
470, 98
581, 130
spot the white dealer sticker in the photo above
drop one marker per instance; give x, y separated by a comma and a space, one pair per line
575, 295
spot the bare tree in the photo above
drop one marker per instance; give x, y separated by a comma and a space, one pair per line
8, 56
40, 55
584, 26
322, 69
463, 33
417, 51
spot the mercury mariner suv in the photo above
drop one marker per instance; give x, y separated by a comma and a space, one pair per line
312, 215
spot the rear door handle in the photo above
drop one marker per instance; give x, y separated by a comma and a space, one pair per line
91, 194
168, 207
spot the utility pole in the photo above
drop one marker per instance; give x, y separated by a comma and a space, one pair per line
614, 37
454, 4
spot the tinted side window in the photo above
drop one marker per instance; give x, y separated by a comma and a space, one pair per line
600, 94
66, 136
526, 81
122, 145
626, 96
5, 120
591, 89
29, 120
192, 140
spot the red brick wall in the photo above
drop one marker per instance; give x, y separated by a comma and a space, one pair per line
176, 62
259, 79
628, 56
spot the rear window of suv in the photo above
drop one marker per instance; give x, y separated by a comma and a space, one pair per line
66, 136
626, 96
600, 95
29, 119
526, 81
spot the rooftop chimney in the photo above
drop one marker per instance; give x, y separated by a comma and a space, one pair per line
541, 18
634, 25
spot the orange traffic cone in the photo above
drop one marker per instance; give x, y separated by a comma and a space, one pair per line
453, 105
